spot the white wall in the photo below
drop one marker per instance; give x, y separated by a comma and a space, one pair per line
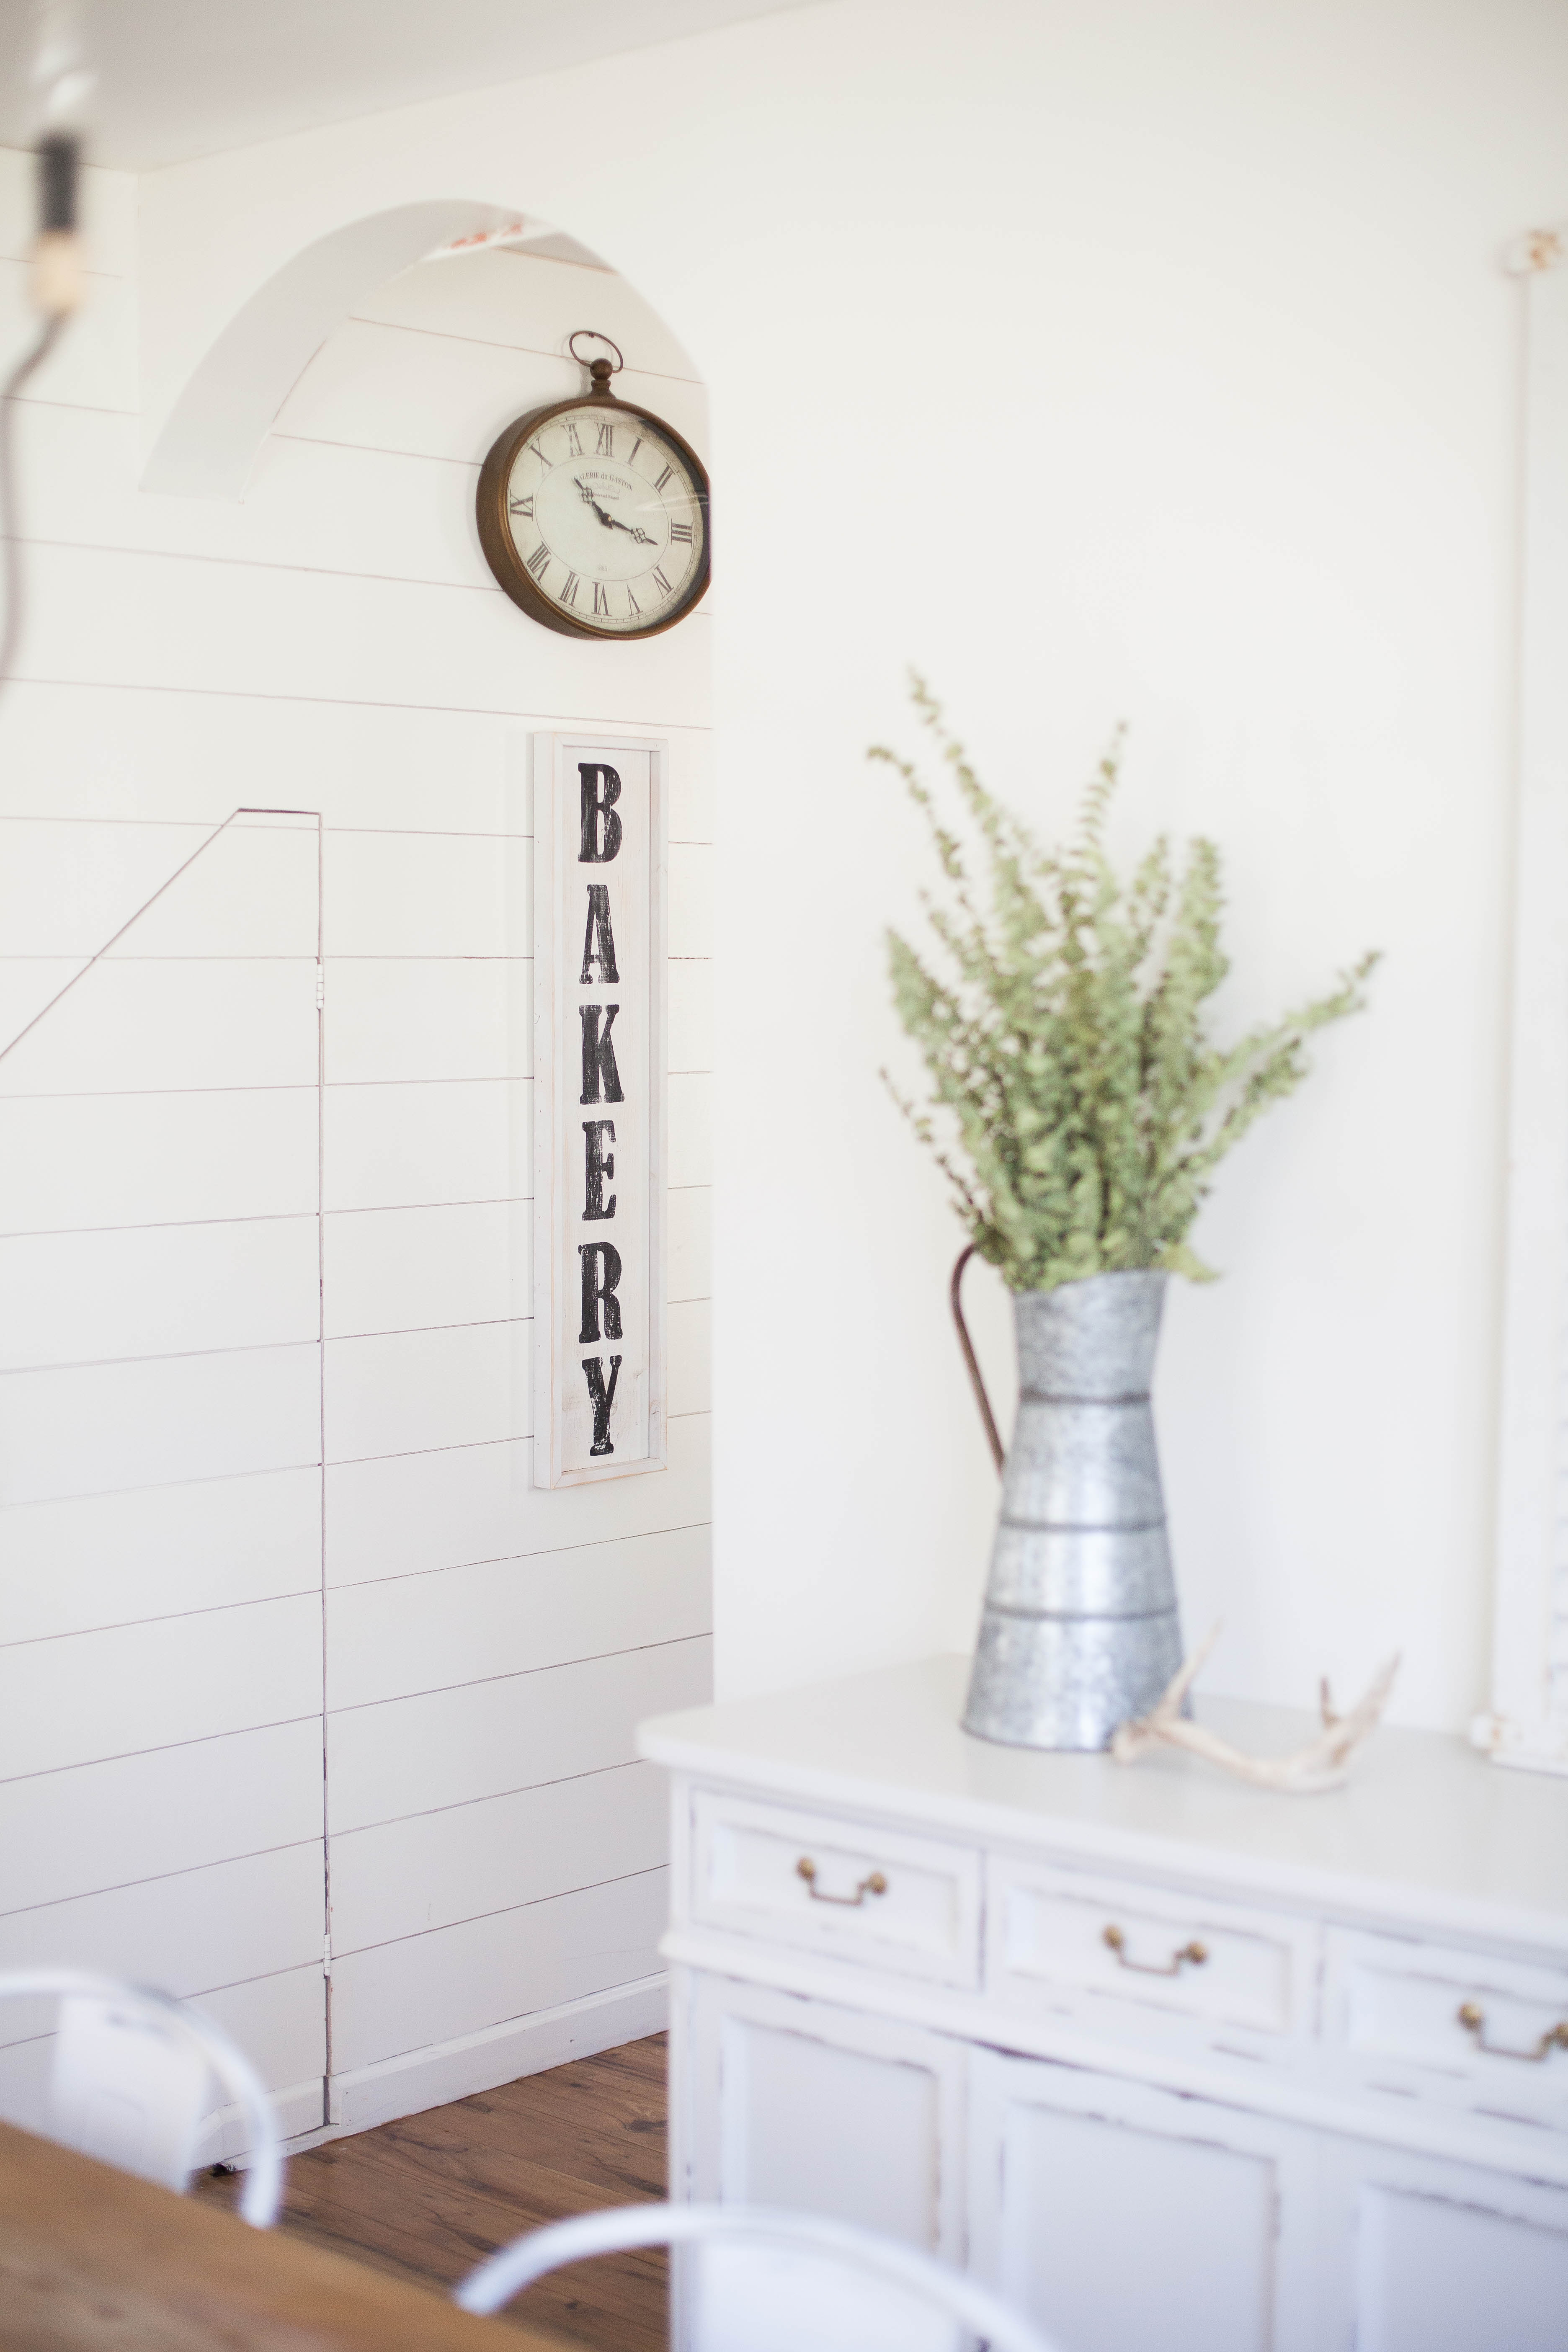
1151, 361
265, 1410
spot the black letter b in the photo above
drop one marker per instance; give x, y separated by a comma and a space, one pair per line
601, 825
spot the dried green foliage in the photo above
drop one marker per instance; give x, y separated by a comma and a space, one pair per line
1068, 1043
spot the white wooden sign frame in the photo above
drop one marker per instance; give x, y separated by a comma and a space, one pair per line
1528, 1724
600, 1026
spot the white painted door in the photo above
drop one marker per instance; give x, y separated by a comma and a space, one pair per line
160, 1432
1123, 2218
1421, 2255
801, 2105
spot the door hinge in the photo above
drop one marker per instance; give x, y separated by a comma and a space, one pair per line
320, 986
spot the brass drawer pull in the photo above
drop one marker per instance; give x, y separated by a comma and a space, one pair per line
1474, 2021
1194, 1953
875, 1885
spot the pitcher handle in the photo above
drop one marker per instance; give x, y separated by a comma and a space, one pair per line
955, 1294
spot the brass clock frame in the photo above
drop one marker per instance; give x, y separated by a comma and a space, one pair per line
495, 526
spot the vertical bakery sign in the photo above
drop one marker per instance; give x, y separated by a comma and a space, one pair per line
599, 1088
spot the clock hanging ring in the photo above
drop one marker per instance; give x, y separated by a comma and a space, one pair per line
594, 514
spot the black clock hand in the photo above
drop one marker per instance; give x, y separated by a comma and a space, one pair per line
610, 522
589, 500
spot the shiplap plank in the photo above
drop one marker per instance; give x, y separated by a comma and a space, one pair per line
93, 1429
689, 1130
158, 1290
437, 1143
280, 2023
413, 1514
457, 1981
689, 1237
71, 1162
251, 891
409, 1269
308, 504
690, 1379
398, 894
436, 1870
131, 1817
408, 1635
502, 295
85, 1698
116, 618
28, 985
93, 364
222, 1926
691, 898
412, 1018
401, 1393
152, 755
443, 397
131, 1027
95, 1560
690, 1001
448, 1748
67, 887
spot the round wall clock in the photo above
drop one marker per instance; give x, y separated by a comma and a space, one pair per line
594, 515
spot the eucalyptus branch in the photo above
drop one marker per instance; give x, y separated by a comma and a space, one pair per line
1066, 1046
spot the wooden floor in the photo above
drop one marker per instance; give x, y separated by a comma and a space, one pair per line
429, 2197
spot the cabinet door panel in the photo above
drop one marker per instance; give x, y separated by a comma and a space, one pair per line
1117, 2215
1438, 2257
798, 2103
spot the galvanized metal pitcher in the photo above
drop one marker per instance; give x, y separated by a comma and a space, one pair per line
1080, 1630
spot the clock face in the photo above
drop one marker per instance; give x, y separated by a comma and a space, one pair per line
602, 518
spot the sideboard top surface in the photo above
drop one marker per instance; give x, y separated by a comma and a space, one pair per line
1426, 1829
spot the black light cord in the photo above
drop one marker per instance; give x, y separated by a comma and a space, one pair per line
56, 287
10, 519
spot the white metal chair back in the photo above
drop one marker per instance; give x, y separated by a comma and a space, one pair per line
763, 2281
132, 2083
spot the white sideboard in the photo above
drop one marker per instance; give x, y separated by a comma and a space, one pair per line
1177, 2064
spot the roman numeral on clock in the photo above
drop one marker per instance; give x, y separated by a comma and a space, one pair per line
544, 461
538, 560
569, 594
606, 447
660, 582
525, 507
572, 443
632, 605
683, 531
667, 475
601, 601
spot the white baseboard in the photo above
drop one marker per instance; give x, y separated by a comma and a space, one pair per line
480, 2062
225, 2133
449, 2070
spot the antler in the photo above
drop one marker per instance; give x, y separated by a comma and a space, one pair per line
1322, 1763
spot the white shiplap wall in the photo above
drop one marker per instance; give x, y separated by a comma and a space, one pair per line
264, 1414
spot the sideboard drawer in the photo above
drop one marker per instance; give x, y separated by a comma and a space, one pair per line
836, 1888
1494, 2032
1059, 1934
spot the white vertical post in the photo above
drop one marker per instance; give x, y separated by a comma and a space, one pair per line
1529, 1722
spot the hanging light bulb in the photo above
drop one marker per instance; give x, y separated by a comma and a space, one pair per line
61, 87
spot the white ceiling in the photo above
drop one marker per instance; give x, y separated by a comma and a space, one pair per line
182, 78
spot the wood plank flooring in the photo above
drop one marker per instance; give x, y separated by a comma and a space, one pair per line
430, 2196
